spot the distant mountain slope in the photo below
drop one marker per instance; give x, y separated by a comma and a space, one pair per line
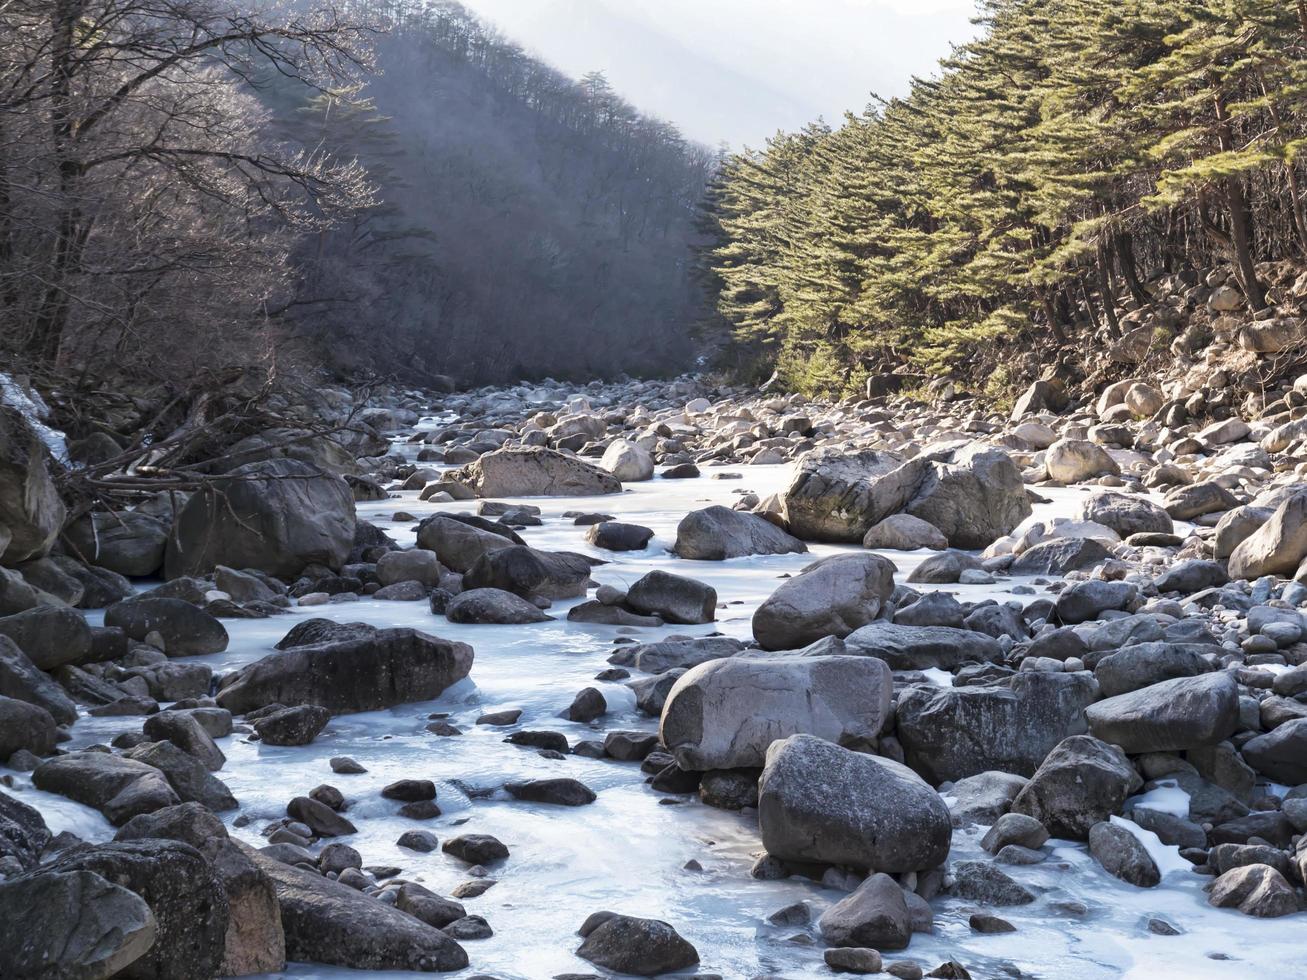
531, 225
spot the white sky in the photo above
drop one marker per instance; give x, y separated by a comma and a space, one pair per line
738, 70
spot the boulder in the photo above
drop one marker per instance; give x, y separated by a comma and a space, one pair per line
1058, 555
458, 544
275, 516
299, 725
24, 681
31, 512
875, 916
1082, 782
1278, 546
616, 536
638, 947
529, 572
1077, 460
1196, 499
366, 672
819, 802
920, 647
410, 565
974, 500
185, 731
1081, 602
1254, 889
330, 923
835, 495
831, 597
903, 532
1173, 715
717, 533
1042, 396
187, 630
1122, 855
724, 714
1281, 753
129, 542
983, 798
675, 598
627, 461
50, 636
23, 833
72, 925
534, 472
950, 733
1126, 514
1141, 665
254, 942
187, 776
25, 726
183, 892
492, 606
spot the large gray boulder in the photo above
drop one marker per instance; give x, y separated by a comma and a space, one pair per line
1173, 715
949, 733
831, 597
1075, 460
1141, 665
632, 946
364, 672
874, 916
717, 533
118, 787
838, 496
675, 598
919, 647
834, 494
627, 461
51, 636
23, 833
72, 925
492, 606
459, 544
330, 923
1126, 514
31, 512
275, 516
183, 892
1278, 546
974, 500
529, 572
724, 714
23, 680
254, 942
534, 472
25, 726
821, 803
1082, 782
129, 543
187, 775
1281, 753
187, 630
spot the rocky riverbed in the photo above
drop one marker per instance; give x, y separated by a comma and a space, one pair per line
778, 688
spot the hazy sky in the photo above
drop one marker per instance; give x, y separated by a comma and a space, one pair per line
738, 70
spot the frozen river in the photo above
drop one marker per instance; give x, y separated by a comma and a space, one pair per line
628, 851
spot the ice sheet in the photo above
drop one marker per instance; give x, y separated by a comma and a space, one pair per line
627, 851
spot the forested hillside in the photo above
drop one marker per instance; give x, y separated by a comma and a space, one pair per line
529, 224
1035, 188
187, 188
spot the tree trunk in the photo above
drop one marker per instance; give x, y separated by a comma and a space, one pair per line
1125, 254
52, 314
1240, 223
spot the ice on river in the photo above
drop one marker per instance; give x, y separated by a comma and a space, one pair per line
627, 851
